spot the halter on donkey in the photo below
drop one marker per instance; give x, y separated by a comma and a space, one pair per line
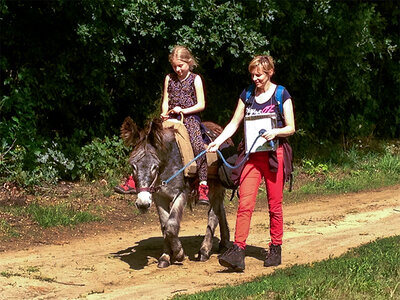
154, 159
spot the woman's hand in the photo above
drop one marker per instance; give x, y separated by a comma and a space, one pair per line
270, 134
212, 147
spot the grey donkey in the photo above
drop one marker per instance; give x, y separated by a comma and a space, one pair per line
154, 159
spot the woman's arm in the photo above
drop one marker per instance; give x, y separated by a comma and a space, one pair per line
289, 128
229, 129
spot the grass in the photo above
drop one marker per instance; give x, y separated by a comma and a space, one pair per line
346, 171
371, 271
48, 216
30, 272
340, 172
7, 229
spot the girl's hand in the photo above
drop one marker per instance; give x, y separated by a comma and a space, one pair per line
270, 134
164, 117
177, 109
212, 147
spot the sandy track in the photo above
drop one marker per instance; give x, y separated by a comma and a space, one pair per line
123, 265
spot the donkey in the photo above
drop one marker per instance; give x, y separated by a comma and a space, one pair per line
154, 159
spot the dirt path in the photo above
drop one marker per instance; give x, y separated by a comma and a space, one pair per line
123, 265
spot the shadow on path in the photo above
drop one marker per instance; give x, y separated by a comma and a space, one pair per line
139, 255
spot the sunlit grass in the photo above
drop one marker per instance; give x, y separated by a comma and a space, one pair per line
353, 171
371, 271
48, 216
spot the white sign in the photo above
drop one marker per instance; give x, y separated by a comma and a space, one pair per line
253, 125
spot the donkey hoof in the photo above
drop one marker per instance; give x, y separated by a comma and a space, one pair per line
163, 264
203, 256
180, 257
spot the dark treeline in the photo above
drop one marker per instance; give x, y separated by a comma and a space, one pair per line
73, 70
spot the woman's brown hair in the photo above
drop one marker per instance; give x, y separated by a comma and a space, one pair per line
264, 63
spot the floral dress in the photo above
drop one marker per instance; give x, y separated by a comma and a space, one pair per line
183, 94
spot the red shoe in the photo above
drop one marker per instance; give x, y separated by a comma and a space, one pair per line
128, 187
203, 195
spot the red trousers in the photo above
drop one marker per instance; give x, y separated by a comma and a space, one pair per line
255, 169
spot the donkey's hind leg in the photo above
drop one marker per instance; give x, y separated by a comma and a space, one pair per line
223, 227
216, 215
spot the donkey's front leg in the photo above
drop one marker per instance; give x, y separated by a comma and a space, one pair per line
173, 226
170, 220
163, 214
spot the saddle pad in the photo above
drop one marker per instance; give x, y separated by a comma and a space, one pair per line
183, 141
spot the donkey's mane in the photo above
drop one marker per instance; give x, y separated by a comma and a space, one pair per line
154, 135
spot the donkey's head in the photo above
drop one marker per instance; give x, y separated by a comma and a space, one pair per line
148, 145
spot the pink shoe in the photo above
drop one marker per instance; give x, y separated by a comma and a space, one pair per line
203, 195
129, 187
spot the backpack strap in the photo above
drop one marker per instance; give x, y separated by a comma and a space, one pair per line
278, 97
249, 91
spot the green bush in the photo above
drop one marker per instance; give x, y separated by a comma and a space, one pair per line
102, 158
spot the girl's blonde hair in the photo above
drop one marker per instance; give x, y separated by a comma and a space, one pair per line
264, 63
182, 53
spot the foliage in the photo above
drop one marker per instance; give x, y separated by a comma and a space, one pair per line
102, 158
50, 165
105, 158
311, 168
354, 170
71, 71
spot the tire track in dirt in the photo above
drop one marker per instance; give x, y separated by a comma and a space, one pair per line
123, 265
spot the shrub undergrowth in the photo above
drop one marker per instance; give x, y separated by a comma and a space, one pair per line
102, 158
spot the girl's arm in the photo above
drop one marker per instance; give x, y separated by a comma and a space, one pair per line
230, 129
164, 105
201, 103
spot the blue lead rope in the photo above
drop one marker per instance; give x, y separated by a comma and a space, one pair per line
260, 133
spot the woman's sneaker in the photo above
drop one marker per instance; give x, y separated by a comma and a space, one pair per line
129, 187
273, 258
203, 195
233, 258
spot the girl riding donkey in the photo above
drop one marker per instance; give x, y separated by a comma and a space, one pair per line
184, 94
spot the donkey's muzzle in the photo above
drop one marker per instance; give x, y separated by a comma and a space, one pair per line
143, 201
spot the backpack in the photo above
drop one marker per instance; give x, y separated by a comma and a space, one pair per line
230, 178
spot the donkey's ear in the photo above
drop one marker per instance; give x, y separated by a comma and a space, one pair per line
129, 132
155, 129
